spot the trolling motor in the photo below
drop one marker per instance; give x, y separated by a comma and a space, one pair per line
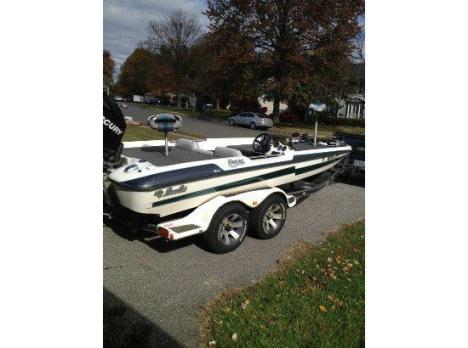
165, 123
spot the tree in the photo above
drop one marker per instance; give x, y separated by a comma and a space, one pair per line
137, 72
292, 38
171, 39
108, 68
223, 68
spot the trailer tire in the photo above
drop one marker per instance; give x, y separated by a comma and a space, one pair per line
228, 228
267, 220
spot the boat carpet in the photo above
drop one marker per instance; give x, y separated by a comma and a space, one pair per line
156, 155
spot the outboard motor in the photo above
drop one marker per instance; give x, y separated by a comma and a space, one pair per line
113, 130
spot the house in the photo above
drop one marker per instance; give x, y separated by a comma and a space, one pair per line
353, 106
264, 103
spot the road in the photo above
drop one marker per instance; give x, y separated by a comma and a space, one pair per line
194, 126
160, 286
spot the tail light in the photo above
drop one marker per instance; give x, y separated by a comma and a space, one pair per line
163, 232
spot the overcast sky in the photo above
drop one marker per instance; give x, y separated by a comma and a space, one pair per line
125, 21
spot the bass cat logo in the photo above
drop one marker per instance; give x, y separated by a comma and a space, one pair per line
330, 157
170, 191
235, 162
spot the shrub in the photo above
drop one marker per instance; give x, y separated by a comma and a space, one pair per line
288, 117
337, 121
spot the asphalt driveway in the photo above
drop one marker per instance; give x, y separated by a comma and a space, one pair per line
164, 284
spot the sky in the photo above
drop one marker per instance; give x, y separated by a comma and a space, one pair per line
125, 22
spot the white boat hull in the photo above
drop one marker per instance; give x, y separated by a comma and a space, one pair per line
253, 174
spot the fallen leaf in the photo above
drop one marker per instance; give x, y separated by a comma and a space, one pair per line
211, 343
335, 300
234, 337
323, 308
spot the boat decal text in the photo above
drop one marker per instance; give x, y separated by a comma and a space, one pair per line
170, 191
235, 162
111, 126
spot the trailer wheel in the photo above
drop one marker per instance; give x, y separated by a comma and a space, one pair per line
268, 219
227, 228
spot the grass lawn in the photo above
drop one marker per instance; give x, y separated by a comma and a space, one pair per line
134, 133
315, 299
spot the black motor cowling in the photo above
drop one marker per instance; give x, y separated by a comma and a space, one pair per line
114, 128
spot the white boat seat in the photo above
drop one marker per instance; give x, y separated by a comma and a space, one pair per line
186, 144
190, 145
221, 151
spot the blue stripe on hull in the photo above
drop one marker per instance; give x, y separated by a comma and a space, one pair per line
248, 181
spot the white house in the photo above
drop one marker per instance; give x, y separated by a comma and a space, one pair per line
351, 107
269, 105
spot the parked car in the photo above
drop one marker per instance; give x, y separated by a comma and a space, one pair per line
138, 99
250, 119
155, 101
288, 117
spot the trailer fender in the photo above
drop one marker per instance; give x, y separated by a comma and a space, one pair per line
253, 199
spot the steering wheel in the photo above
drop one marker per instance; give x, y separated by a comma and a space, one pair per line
262, 143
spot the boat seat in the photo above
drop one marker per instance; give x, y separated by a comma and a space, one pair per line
186, 144
221, 151
190, 145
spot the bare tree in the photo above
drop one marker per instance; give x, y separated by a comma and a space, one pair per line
172, 38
